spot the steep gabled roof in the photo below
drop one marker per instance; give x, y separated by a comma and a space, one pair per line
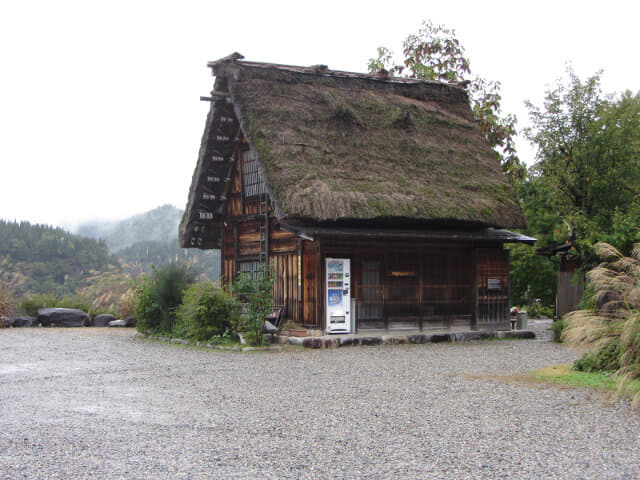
340, 146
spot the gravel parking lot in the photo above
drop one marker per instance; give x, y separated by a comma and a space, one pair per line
104, 403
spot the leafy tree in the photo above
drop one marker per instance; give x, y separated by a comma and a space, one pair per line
588, 163
435, 53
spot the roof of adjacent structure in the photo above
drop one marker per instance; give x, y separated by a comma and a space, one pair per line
344, 146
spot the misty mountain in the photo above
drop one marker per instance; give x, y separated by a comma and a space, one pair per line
157, 225
150, 238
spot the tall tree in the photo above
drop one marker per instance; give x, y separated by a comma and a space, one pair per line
435, 53
588, 162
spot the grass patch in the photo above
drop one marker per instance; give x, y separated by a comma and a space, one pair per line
601, 381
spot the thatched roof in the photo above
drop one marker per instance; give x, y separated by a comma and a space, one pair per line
352, 147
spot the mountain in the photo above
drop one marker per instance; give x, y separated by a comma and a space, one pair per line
158, 225
43, 259
151, 238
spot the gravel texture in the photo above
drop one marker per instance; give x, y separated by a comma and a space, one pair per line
100, 403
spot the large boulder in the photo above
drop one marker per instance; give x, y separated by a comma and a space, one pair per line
102, 320
62, 317
118, 323
23, 321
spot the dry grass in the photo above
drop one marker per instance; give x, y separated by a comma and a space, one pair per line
616, 287
333, 151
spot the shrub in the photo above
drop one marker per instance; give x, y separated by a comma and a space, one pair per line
146, 306
606, 359
7, 304
257, 296
157, 296
557, 327
30, 304
538, 310
207, 313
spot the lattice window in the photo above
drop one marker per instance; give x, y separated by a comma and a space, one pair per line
253, 184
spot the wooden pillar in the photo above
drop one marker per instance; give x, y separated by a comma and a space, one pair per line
474, 312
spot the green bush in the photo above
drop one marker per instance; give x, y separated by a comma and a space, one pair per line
257, 296
157, 296
207, 313
538, 310
146, 306
606, 359
558, 327
30, 304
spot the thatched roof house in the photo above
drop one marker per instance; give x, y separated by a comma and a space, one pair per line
329, 154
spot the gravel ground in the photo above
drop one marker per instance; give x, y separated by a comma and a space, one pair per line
103, 403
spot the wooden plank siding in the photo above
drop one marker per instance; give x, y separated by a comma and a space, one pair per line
493, 287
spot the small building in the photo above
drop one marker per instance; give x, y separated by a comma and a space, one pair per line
570, 279
377, 201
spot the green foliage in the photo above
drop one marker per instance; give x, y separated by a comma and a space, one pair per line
565, 375
605, 359
257, 295
532, 277
557, 327
435, 53
538, 310
157, 296
30, 304
43, 259
588, 164
207, 313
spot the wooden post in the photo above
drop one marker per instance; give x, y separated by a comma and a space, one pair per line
474, 297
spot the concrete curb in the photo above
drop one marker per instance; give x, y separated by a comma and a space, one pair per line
422, 338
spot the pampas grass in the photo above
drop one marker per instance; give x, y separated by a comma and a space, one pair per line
616, 287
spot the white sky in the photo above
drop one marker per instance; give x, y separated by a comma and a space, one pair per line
99, 100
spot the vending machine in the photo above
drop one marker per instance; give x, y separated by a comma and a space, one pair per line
338, 288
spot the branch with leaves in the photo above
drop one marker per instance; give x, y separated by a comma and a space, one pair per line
436, 54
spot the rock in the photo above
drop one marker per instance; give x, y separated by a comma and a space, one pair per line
102, 320
269, 327
248, 349
131, 322
62, 317
23, 321
370, 341
117, 323
349, 341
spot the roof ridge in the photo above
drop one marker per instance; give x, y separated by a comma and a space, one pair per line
323, 70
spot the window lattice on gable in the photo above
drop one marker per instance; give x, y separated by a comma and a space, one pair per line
253, 184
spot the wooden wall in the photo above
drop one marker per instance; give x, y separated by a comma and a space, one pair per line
492, 276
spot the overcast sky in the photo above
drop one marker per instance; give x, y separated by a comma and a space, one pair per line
99, 100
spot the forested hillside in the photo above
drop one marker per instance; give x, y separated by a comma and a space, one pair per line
44, 259
157, 225
37, 259
151, 238
139, 257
